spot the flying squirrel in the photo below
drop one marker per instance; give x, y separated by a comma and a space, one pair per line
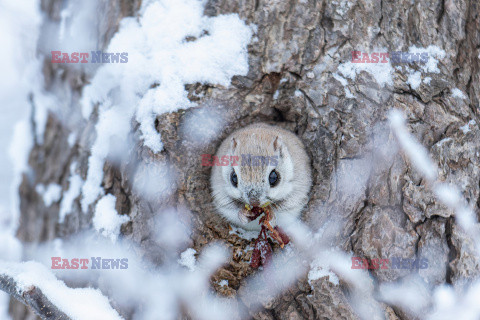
274, 171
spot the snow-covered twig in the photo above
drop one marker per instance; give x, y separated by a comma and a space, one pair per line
33, 297
34, 285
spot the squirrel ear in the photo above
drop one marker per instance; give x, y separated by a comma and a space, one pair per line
233, 144
278, 145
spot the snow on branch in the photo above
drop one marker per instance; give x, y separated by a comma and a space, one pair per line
32, 297
34, 285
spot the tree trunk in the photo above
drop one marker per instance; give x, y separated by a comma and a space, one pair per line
296, 80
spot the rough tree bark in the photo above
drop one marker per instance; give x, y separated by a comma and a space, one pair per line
303, 42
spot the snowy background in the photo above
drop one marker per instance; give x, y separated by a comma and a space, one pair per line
19, 28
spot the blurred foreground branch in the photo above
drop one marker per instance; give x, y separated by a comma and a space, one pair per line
33, 297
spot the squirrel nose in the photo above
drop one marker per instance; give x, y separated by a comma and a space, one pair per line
253, 198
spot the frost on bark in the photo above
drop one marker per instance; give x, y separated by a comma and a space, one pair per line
295, 81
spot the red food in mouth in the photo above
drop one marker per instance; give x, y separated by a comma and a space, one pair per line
262, 251
254, 213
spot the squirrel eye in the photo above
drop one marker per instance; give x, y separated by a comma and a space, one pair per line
273, 178
234, 179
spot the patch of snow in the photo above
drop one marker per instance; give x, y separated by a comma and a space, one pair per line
78, 304
244, 234
71, 139
381, 72
10, 248
187, 259
52, 193
19, 30
318, 270
466, 128
457, 93
160, 62
434, 53
69, 196
161, 55
341, 79
415, 77
342, 7
275, 95
223, 283
344, 82
44, 103
106, 219
414, 80
64, 15
111, 123
18, 152
20, 146
77, 31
